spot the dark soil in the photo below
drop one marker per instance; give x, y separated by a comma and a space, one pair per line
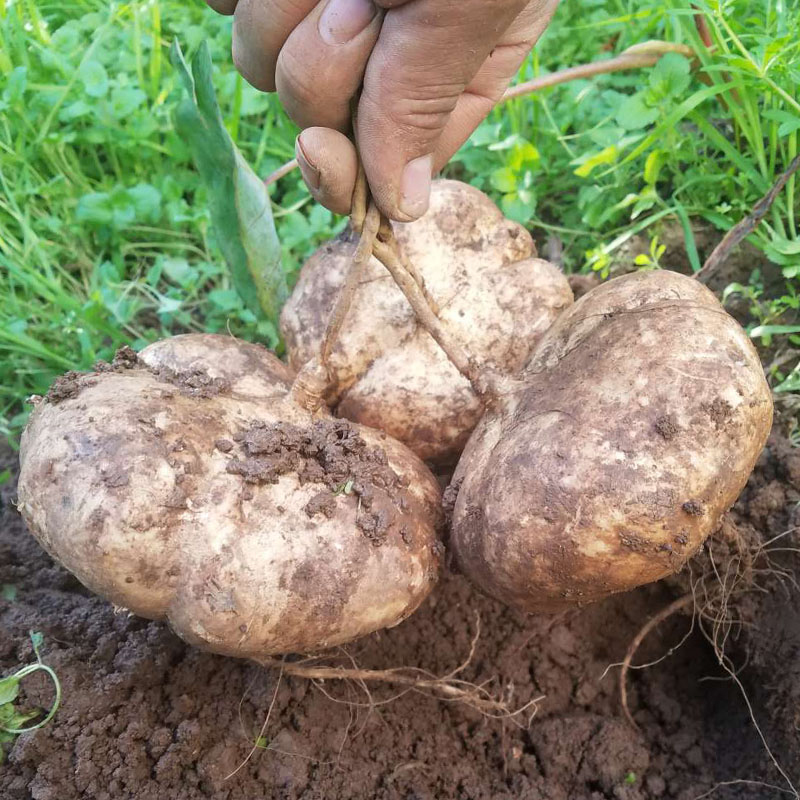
330, 452
147, 718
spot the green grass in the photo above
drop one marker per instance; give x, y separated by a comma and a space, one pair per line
104, 229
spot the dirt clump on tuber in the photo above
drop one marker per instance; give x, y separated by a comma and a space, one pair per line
635, 425
488, 289
187, 484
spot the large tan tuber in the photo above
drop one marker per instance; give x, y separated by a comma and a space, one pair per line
635, 425
492, 295
188, 485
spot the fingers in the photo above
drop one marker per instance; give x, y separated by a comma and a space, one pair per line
329, 165
328, 159
260, 28
322, 63
427, 54
488, 86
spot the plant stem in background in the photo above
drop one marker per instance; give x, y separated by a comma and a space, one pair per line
739, 232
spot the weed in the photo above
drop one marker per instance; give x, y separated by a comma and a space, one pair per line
12, 721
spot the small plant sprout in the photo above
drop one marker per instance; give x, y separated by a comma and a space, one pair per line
651, 259
12, 721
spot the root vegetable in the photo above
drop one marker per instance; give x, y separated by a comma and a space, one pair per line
635, 426
188, 485
490, 293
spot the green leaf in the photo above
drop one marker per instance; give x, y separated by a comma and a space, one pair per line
177, 270
504, 180
224, 299
605, 156
238, 200
789, 123
8, 592
94, 77
9, 689
772, 330
146, 201
37, 637
791, 383
634, 113
16, 84
652, 166
671, 75
94, 208
125, 100
519, 206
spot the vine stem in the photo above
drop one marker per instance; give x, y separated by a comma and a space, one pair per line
376, 237
387, 251
346, 294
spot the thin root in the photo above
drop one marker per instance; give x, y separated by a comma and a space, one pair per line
448, 688
654, 622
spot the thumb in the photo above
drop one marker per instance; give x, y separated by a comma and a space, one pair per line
428, 52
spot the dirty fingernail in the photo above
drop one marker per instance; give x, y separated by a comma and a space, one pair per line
311, 174
343, 20
415, 186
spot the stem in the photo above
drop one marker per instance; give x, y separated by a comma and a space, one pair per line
388, 253
634, 58
284, 169
743, 229
348, 290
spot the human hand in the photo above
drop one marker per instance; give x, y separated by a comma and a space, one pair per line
431, 71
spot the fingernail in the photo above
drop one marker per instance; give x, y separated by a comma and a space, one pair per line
415, 187
343, 20
310, 173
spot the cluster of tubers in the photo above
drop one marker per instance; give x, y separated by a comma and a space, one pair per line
197, 482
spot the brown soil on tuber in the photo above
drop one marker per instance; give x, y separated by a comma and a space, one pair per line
330, 452
185, 485
146, 717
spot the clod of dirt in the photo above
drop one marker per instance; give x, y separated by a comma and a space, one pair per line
578, 484
195, 382
667, 427
67, 386
331, 452
493, 295
186, 485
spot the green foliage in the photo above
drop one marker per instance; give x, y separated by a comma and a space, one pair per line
105, 234
632, 152
105, 222
13, 722
658, 144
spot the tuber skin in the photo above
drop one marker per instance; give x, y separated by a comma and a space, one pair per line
487, 289
151, 482
635, 425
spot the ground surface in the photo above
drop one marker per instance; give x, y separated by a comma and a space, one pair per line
147, 718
